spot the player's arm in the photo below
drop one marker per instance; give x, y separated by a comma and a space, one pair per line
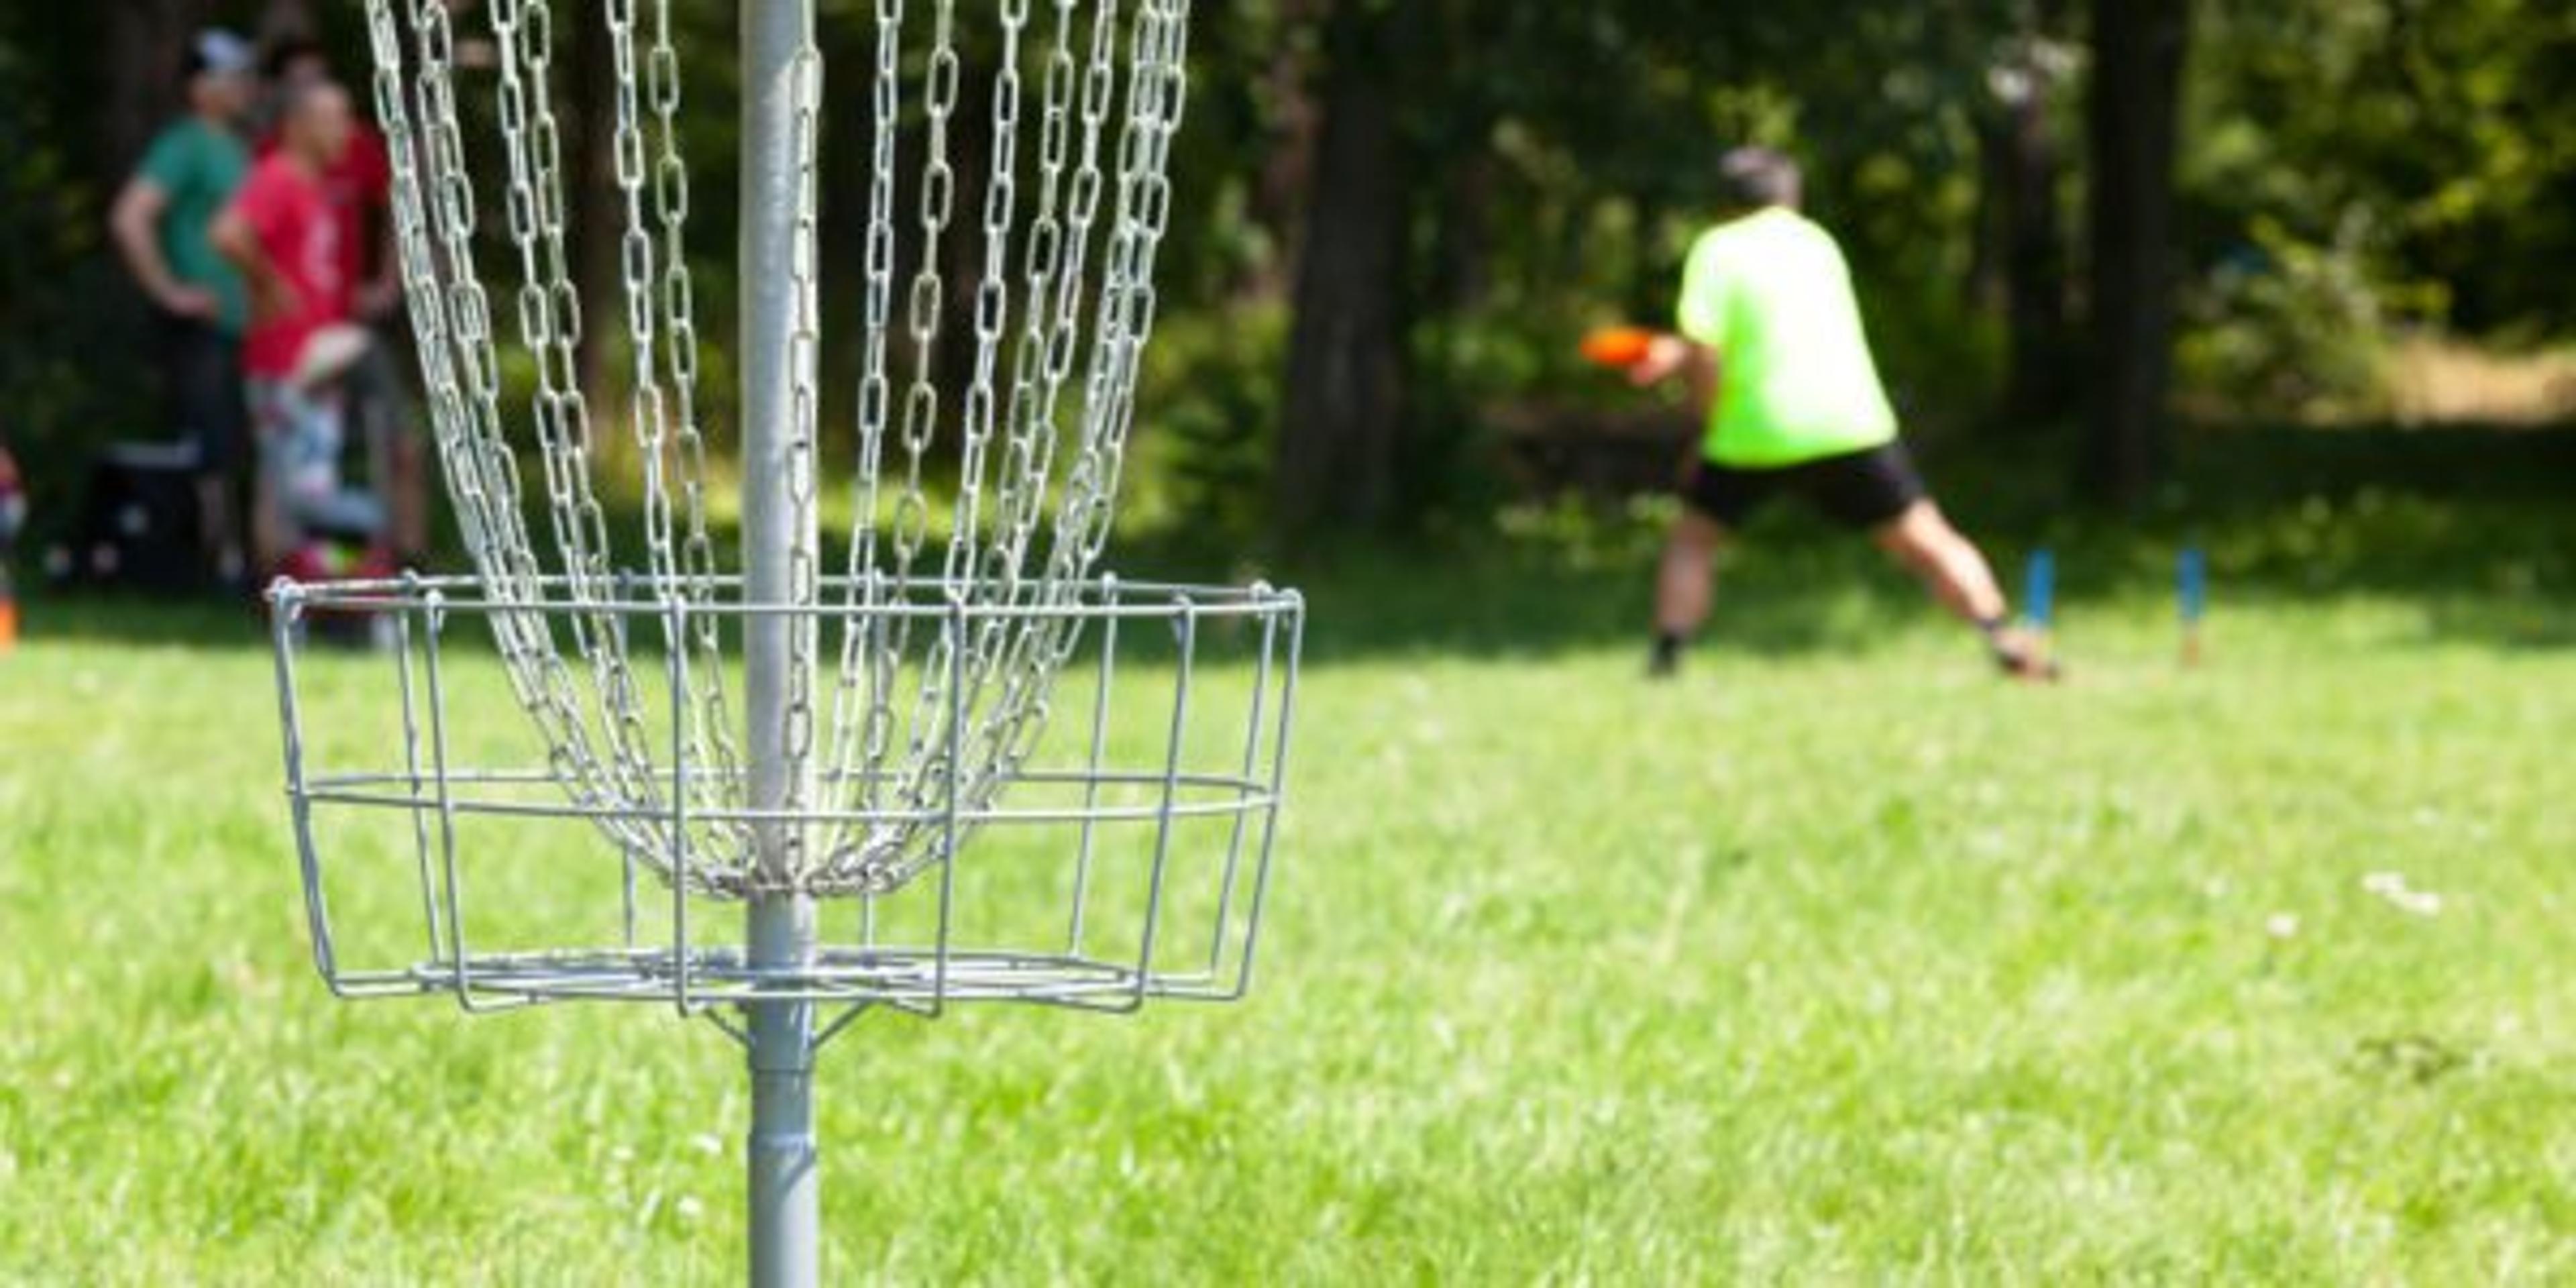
1698, 366
271, 295
383, 294
134, 223
1705, 373
1690, 352
1672, 356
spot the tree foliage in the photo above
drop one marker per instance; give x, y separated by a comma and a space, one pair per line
2427, 136
1438, 194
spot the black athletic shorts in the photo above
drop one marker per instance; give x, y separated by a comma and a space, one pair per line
1861, 490
207, 404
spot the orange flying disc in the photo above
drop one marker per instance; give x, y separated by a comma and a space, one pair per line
1618, 346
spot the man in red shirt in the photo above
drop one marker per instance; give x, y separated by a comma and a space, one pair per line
359, 187
282, 234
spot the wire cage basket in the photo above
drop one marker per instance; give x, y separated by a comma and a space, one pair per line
1129, 860
616, 762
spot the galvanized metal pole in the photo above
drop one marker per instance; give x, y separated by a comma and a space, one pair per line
778, 536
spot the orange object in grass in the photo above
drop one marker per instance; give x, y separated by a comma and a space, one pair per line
1618, 346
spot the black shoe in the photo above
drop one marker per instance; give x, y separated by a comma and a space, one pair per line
2022, 656
1666, 660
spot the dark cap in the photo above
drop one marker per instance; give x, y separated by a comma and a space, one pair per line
1756, 177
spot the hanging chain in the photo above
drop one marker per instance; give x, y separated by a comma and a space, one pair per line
804, 356
1063, 306
1045, 361
650, 409
711, 735
1032, 411
981, 642
863, 703
1030, 452
654, 278
932, 741
550, 320
1000, 740
450, 423
1127, 297
1157, 92
462, 367
921, 413
928, 300
992, 294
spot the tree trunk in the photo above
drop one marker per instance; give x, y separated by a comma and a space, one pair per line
1337, 445
284, 20
2029, 257
1286, 182
1653, 282
147, 41
597, 211
971, 144
2139, 47
1466, 278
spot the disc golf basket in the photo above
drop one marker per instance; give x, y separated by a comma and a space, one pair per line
964, 763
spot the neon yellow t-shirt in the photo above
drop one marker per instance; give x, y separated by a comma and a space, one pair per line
1771, 293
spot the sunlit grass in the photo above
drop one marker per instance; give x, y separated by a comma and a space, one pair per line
1834, 961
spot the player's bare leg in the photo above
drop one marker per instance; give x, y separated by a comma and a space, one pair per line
1957, 574
218, 536
1684, 586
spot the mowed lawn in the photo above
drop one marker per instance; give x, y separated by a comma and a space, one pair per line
1835, 961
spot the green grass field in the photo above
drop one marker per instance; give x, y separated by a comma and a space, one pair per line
1836, 961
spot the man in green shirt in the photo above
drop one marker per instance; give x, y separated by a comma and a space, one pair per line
160, 223
1772, 345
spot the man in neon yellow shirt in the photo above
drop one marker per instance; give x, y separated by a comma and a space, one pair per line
1771, 341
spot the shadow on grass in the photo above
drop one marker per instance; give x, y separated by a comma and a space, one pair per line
2477, 526
2473, 525
125, 619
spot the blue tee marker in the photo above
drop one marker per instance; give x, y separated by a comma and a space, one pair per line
2039, 591
2191, 590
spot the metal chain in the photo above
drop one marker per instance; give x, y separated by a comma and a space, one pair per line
550, 320
928, 298
981, 644
804, 428
921, 412
462, 366
423, 293
1053, 278
932, 741
649, 409
1157, 84
863, 708
992, 293
1158, 90
1093, 201
650, 300
1032, 411
711, 739
637, 266
1046, 360
1005, 651
1010, 726
1127, 298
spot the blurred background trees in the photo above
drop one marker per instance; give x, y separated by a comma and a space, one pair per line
2070, 221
